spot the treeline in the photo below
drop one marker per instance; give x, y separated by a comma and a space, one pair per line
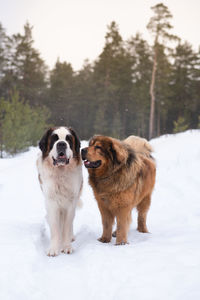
131, 87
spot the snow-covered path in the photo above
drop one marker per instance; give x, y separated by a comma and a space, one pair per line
162, 265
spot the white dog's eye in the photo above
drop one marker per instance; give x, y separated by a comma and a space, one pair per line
54, 138
69, 139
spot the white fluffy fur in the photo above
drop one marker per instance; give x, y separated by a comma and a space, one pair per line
61, 186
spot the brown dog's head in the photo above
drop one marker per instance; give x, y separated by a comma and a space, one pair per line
104, 154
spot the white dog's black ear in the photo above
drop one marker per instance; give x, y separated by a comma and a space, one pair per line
77, 143
43, 143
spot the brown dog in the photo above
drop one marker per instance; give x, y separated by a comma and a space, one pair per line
122, 175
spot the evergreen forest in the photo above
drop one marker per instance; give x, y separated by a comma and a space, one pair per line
133, 87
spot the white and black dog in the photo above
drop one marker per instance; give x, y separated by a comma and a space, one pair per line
60, 176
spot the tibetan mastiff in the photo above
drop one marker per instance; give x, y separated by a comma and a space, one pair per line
122, 175
60, 175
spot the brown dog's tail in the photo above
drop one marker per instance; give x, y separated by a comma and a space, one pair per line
139, 144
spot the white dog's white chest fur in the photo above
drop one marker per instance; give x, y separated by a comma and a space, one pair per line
61, 184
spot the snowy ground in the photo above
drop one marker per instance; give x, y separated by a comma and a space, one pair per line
162, 265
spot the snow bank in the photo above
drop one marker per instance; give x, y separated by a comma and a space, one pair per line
162, 265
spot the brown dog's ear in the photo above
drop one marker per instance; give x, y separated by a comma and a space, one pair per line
77, 141
43, 143
118, 153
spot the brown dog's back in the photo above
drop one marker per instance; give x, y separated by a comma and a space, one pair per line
139, 145
123, 179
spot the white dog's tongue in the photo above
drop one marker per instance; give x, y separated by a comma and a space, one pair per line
62, 156
61, 160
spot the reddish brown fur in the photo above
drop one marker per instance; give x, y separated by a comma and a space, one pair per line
124, 180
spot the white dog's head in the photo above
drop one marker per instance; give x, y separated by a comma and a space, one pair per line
60, 144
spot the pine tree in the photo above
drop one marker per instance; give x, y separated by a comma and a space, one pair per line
185, 88
3, 110
180, 125
61, 93
162, 91
159, 25
138, 109
84, 102
112, 76
20, 125
4, 59
28, 69
2, 50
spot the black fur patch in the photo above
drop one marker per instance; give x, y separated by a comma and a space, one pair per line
103, 150
114, 155
43, 144
140, 174
131, 158
152, 157
77, 142
53, 139
69, 140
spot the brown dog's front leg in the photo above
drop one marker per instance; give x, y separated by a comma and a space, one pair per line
123, 222
107, 222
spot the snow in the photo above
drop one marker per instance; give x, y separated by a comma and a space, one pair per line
162, 265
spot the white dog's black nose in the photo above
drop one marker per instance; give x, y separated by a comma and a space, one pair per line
61, 147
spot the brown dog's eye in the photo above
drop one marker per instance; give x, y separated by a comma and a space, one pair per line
97, 147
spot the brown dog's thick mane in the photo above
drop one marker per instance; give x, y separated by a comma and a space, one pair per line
119, 178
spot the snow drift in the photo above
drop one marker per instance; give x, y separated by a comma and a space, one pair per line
162, 265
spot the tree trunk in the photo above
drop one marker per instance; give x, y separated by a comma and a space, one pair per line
1, 151
1, 145
158, 118
152, 94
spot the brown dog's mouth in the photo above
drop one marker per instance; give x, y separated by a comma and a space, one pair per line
60, 160
92, 164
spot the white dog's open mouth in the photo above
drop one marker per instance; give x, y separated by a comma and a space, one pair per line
60, 160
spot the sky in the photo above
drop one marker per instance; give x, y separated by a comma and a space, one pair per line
74, 30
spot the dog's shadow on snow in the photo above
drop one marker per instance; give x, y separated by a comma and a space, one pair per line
83, 238
136, 237
86, 238
44, 238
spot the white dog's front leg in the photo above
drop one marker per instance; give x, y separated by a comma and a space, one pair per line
68, 230
53, 215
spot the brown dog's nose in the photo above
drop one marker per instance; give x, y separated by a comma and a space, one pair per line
84, 153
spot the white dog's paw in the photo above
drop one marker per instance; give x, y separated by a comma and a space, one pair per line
67, 250
53, 251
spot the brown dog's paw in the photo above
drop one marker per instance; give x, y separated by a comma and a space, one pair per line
114, 234
121, 243
143, 230
104, 240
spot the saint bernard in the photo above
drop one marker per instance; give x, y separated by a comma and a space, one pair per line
60, 176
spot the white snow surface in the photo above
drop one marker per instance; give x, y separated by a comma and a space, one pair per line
164, 264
